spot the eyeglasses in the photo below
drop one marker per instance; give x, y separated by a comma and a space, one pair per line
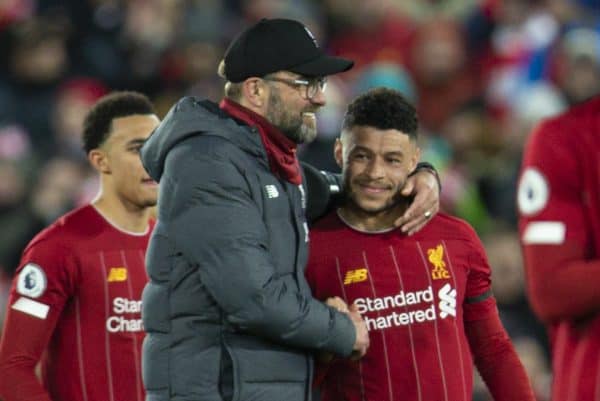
312, 86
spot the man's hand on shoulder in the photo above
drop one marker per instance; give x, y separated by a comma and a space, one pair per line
424, 186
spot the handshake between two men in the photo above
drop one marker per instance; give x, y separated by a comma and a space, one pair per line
361, 344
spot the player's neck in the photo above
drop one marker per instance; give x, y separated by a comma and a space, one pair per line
123, 215
371, 222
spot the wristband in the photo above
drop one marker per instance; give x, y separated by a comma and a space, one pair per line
429, 167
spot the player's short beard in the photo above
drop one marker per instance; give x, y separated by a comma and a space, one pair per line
351, 201
299, 127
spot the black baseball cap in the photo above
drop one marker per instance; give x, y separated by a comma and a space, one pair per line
278, 44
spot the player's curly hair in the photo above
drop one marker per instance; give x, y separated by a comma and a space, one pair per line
98, 122
382, 108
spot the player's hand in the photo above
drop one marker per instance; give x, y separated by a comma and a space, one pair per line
337, 303
424, 187
361, 345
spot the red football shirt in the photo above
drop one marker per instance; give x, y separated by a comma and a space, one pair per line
75, 303
415, 293
559, 206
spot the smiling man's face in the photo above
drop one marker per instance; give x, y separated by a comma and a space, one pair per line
375, 165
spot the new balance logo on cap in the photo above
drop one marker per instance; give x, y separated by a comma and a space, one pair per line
272, 191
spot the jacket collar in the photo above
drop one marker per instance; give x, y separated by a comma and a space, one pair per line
281, 151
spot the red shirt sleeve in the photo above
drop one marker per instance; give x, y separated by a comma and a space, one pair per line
561, 277
479, 303
40, 289
497, 360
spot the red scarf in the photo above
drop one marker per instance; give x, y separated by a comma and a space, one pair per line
281, 151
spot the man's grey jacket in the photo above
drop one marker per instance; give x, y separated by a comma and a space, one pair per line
228, 312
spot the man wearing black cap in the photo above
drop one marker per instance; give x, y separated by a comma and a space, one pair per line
228, 312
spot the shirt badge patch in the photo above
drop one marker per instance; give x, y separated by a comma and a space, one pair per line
117, 274
533, 192
436, 258
355, 276
31, 281
31, 307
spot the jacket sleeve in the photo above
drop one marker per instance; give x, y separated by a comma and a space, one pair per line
222, 232
323, 189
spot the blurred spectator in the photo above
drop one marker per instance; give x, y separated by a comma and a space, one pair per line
577, 66
74, 98
369, 31
386, 74
15, 10
37, 59
430, 9
16, 165
56, 189
39, 52
465, 164
439, 65
23, 214
508, 280
12, 195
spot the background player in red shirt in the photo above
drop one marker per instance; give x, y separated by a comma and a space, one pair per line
75, 300
426, 298
559, 211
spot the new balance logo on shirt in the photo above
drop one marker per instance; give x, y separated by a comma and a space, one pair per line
117, 274
355, 276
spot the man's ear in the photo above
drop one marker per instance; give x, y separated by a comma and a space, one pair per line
99, 160
254, 92
338, 153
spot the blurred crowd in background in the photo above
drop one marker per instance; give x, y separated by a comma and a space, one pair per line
481, 72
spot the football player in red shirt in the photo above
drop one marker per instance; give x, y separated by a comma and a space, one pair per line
75, 300
559, 224
426, 298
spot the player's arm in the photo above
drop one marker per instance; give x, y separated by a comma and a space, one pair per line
220, 227
561, 277
497, 361
35, 304
561, 283
493, 353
